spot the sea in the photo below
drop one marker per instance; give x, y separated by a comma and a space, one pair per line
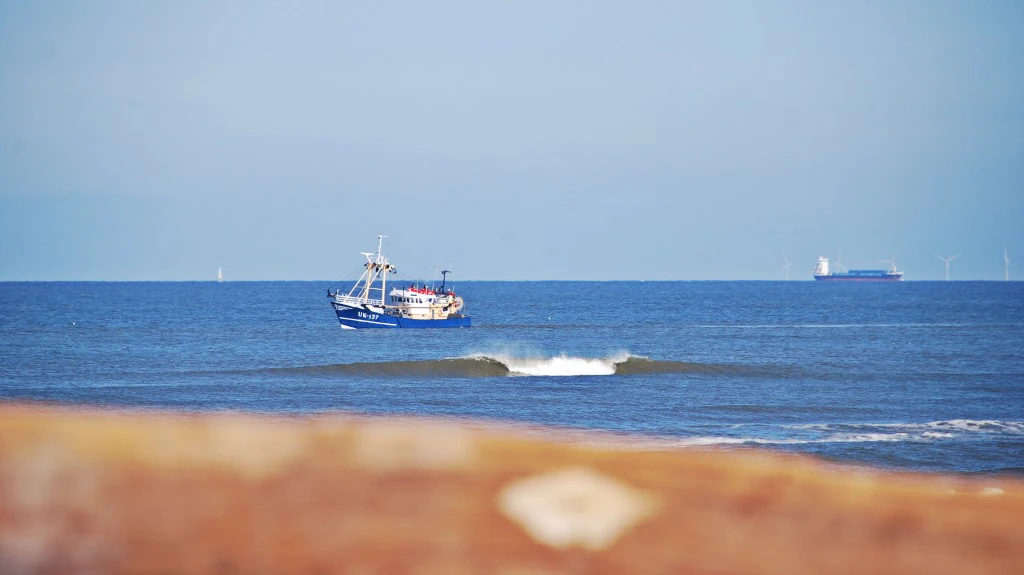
910, 376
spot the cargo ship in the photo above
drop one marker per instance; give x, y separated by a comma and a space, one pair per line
823, 273
369, 305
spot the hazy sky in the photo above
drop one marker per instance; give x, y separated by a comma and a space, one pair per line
515, 140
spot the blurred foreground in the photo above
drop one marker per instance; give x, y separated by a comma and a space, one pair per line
116, 492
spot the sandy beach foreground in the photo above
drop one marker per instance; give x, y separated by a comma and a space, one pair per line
97, 491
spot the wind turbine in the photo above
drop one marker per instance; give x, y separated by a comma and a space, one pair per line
947, 260
891, 262
786, 266
839, 263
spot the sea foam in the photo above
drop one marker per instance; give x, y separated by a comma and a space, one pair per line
559, 365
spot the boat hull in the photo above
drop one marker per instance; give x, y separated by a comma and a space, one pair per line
365, 318
863, 278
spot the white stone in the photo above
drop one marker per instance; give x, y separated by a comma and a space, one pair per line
575, 507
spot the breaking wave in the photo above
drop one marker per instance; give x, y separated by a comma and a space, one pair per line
867, 433
933, 429
837, 438
497, 365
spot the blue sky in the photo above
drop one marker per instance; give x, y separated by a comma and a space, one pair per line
526, 140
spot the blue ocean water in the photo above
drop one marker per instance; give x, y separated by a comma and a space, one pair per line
909, 376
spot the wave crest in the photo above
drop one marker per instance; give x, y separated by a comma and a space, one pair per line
559, 365
945, 428
497, 365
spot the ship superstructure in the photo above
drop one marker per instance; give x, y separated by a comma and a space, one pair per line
823, 273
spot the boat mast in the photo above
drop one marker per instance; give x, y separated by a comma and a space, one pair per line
373, 268
384, 277
376, 266
366, 278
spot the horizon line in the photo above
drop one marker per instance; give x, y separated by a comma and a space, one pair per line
215, 281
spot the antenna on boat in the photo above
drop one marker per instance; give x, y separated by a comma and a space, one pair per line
1006, 265
380, 244
786, 266
444, 277
892, 263
947, 260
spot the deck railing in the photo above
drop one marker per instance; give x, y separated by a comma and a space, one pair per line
354, 301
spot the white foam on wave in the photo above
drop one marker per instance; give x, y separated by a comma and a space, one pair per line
915, 432
809, 426
700, 441
945, 428
561, 366
557, 366
864, 437
839, 438
979, 426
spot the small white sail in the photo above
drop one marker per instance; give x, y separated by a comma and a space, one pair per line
220, 274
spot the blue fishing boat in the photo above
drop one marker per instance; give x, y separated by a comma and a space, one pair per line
369, 305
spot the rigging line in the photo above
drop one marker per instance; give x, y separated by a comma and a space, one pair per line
348, 279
